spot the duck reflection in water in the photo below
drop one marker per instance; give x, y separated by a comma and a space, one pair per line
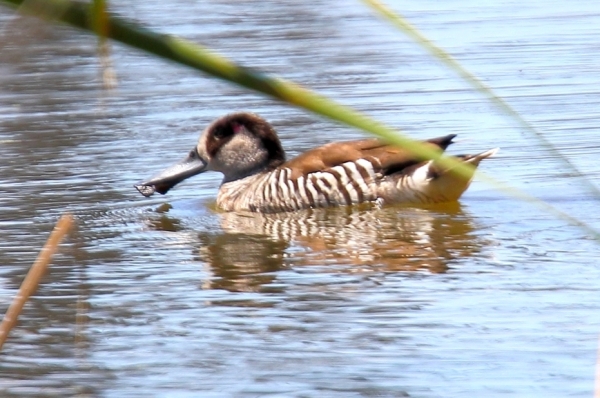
250, 247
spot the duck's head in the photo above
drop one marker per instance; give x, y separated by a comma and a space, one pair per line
237, 145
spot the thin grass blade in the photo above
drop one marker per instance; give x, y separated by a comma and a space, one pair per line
406, 27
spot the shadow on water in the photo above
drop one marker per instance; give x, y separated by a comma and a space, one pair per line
247, 249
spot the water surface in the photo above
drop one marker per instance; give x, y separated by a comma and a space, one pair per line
168, 297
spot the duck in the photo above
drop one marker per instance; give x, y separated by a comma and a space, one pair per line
246, 149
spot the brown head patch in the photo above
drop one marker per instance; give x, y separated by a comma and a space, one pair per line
221, 131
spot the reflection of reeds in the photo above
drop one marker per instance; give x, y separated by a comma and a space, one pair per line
31, 281
101, 27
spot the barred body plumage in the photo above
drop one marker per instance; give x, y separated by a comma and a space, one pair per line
275, 191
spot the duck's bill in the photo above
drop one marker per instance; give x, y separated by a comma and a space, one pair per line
190, 166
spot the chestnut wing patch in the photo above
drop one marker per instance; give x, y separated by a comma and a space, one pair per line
386, 159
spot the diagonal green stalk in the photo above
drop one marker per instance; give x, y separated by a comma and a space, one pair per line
191, 54
185, 52
477, 84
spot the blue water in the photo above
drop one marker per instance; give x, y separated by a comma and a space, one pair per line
167, 297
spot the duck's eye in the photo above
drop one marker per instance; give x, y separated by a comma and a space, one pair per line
222, 132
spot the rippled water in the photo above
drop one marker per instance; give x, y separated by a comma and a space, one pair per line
167, 297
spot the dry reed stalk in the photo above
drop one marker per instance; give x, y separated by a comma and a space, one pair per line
31, 281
